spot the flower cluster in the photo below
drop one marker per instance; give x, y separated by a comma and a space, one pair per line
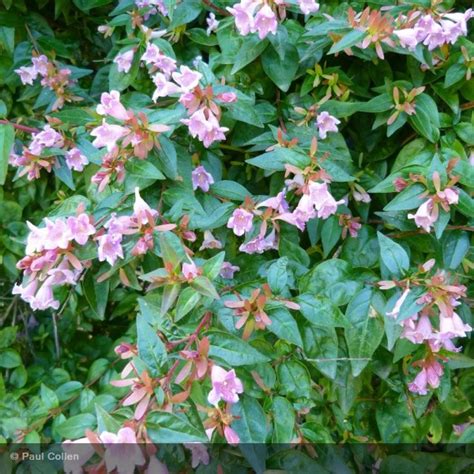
153, 7
434, 32
134, 137
436, 304
141, 222
50, 260
36, 156
261, 17
56, 78
204, 113
428, 212
118, 451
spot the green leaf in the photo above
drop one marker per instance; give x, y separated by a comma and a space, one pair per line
143, 169
294, 379
9, 359
151, 349
212, 267
333, 279
163, 427
75, 427
48, 397
393, 256
348, 40
105, 422
68, 390
171, 248
365, 331
204, 286
454, 74
230, 190
277, 275
284, 418
251, 426
252, 47
284, 326
188, 299
276, 159
250, 423
233, 350
331, 233
96, 294
320, 311
321, 348
281, 70
408, 199
7, 137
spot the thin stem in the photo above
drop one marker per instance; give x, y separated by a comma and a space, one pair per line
219, 10
18, 126
56, 337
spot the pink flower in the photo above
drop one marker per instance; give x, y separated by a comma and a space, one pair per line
41, 64
119, 225
141, 210
423, 331
35, 239
166, 64
426, 215
186, 78
449, 195
27, 293
151, 54
227, 97
199, 454
419, 384
44, 298
28, 74
265, 22
323, 200
124, 61
308, 6
77, 453
201, 178
107, 135
122, 451
430, 374
63, 274
298, 217
47, 138
240, 221
207, 129
408, 37
212, 23
210, 242
231, 436
243, 16
228, 270
155, 466
278, 203
110, 105
326, 123
190, 271
225, 386
452, 326
58, 234
80, 228
75, 160
260, 244
109, 248
398, 304
164, 87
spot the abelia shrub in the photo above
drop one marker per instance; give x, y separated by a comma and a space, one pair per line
233, 234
